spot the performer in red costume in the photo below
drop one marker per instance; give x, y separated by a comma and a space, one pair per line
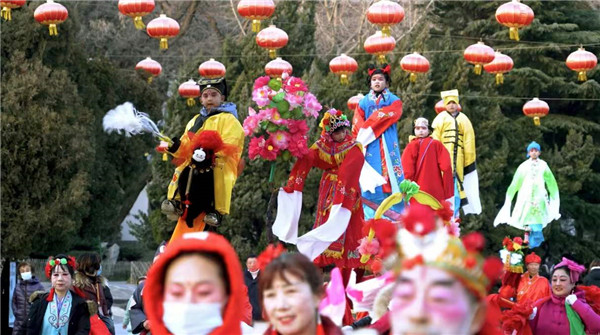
532, 286
335, 236
427, 162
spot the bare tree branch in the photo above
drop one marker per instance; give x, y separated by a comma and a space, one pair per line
237, 18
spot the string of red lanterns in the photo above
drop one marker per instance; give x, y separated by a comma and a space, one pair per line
256, 10
189, 90
163, 28
212, 69
272, 39
277, 67
385, 14
51, 14
150, 66
414, 63
500, 65
536, 109
343, 66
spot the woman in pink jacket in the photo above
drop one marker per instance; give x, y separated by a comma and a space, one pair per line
565, 311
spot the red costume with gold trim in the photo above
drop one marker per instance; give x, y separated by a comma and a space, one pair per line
532, 288
341, 164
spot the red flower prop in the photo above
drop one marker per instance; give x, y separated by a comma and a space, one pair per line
492, 268
516, 318
269, 254
518, 240
385, 231
592, 296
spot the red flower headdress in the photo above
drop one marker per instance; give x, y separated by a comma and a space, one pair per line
52, 262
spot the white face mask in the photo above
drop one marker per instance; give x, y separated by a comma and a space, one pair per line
191, 319
26, 275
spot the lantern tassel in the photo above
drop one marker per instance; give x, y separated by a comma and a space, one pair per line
272, 53
255, 26
582, 76
191, 102
344, 79
150, 79
381, 59
52, 29
164, 157
386, 30
499, 79
413, 77
478, 68
536, 121
514, 33
164, 43
139, 24
6, 13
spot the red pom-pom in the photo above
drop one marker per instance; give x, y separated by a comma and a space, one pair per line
507, 292
367, 247
470, 262
270, 253
474, 242
376, 265
493, 268
506, 241
385, 233
419, 219
518, 240
516, 317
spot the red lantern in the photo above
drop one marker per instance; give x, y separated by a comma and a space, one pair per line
385, 14
414, 63
536, 109
50, 14
8, 5
343, 66
479, 54
212, 69
500, 65
581, 61
135, 9
163, 28
514, 15
189, 90
277, 67
150, 66
256, 10
272, 38
379, 45
353, 102
440, 107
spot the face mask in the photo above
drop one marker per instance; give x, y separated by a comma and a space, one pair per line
99, 270
187, 319
26, 275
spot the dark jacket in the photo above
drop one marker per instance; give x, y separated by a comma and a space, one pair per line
592, 278
252, 285
137, 315
95, 289
79, 318
21, 304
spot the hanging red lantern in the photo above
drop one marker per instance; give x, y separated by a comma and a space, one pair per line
212, 69
379, 45
536, 109
163, 28
514, 15
353, 102
150, 66
256, 10
189, 90
440, 107
277, 67
581, 61
385, 13
8, 5
343, 66
500, 65
272, 38
414, 63
479, 54
50, 14
135, 9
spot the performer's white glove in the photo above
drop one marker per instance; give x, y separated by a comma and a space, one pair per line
570, 299
533, 314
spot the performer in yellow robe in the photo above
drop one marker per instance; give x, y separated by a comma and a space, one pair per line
455, 131
219, 116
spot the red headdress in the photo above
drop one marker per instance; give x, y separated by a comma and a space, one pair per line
269, 254
54, 261
532, 258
